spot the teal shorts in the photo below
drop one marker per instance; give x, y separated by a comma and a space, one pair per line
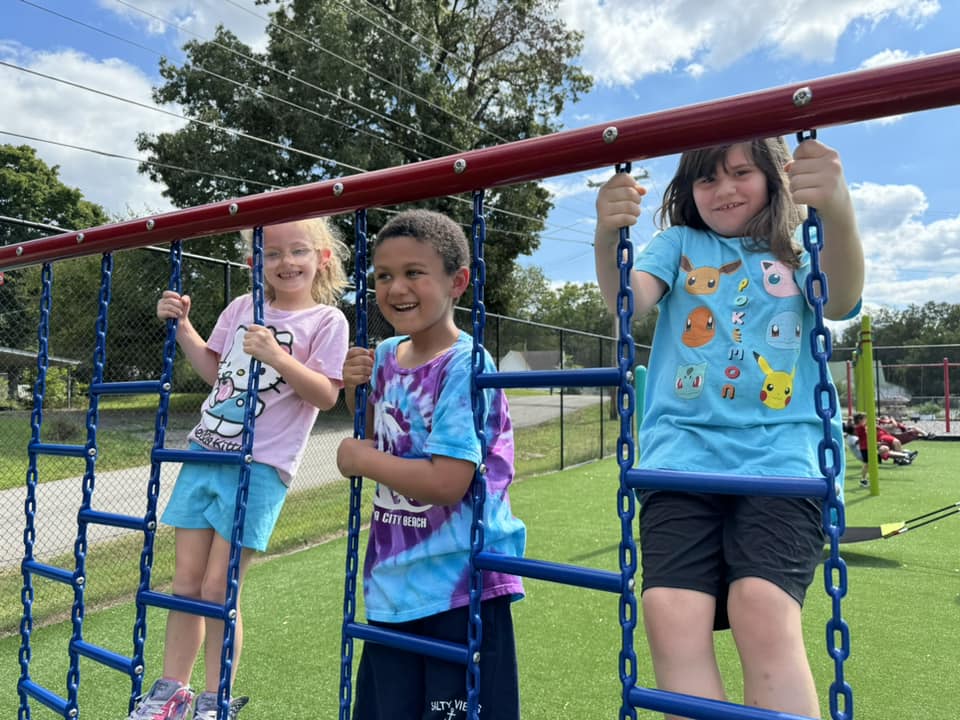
205, 496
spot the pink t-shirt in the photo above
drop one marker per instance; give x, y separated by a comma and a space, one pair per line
316, 337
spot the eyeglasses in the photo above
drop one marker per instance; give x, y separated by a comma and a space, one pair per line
298, 254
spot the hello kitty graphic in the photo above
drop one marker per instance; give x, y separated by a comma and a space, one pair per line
224, 414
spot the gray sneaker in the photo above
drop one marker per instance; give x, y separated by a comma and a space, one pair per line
166, 700
206, 708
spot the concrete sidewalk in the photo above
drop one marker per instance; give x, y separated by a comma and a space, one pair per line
124, 491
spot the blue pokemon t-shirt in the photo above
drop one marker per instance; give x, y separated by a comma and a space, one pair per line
417, 561
731, 383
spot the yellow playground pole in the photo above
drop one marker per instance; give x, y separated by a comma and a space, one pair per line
866, 394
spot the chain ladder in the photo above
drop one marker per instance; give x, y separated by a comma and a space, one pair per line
829, 456
478, 488
153, 485
356, 482
30, 504
243, 491
626, 498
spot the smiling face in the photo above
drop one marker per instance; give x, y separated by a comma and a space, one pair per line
730, 195
415, 293
290, 263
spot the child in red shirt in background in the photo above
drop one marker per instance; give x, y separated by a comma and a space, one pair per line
887, 446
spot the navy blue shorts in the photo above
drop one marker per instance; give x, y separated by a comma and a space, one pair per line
397, 685
705, 542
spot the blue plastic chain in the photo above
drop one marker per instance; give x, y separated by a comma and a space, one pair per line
829, 455
356, 482
478, 488
153, 485
626, 498
243, 491
30, 504
89, 478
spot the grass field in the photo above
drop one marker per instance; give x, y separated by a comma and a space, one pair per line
903, 609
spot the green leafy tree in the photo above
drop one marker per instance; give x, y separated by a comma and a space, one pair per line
31, 190
383, 84
912, 336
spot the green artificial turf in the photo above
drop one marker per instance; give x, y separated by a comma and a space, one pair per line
903, 609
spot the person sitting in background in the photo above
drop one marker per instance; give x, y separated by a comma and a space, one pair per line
902, 432
884, 451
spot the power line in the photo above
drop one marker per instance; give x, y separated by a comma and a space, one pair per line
289, 76
211, 125
372, 74
117, 156
200, 68
267, 66
288, 147
464, 61
395, 36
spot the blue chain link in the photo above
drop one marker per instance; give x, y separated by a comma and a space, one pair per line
626, 499
243, 491
89, 480
479, 485
356, 483
153, 485
30, 504
829, 455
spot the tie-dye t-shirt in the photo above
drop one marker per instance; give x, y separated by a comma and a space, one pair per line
731, 386
417, 561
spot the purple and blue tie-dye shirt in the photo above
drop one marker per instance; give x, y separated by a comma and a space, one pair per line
417, 560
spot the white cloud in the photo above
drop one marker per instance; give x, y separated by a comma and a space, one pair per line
908, 260
626, 40
187, 19
45, 109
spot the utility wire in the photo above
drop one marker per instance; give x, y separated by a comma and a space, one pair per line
211, 125
215, 126
267, 66
395, 36
465, 62
362, 69
200, 68
290, 76
117, 156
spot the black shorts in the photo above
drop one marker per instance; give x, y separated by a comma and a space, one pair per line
398, 685
704, 542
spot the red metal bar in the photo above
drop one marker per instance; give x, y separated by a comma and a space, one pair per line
921, 84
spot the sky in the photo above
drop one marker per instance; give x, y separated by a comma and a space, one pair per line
644, 57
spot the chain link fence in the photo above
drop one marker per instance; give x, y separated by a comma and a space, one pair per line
554, 428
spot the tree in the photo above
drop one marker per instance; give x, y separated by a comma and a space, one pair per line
31, 190
914, 334
371, 85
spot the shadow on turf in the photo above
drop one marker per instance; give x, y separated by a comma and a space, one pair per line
861, 559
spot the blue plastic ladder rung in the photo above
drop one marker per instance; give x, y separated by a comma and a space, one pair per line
182, 604
48, 571
440, 649
104, 656
201, 456
581, 377
134, 387
54, 449
554, 572
42, 695
779, 486
97, 517
698, 708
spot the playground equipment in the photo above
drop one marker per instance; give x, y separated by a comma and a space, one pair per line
917, 85
893, 529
